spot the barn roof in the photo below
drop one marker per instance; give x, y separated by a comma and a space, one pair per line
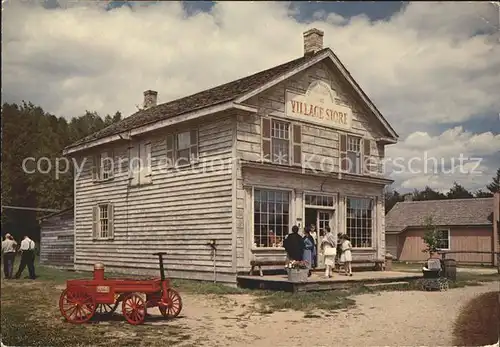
450, 212
69, 210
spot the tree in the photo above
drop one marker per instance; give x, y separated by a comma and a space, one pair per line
458, 192
427, 194
430, 237
494, 187
481, 194
391, 197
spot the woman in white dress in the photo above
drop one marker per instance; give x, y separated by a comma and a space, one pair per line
329, 250
346, 256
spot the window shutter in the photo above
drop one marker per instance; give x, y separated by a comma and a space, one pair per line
170, 150
145, 173
297, 144
343, 152
134, 165
366, 167
95, 222
266, 139
194, 145
111, 224
95, 161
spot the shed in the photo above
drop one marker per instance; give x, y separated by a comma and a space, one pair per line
57, 239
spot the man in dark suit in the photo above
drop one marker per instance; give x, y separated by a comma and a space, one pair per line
294, 244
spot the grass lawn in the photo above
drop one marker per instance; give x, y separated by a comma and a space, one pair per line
30, 314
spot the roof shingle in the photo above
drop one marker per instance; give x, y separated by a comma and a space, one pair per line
443, 212
206, 98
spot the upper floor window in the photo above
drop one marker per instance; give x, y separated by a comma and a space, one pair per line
353, 154
182, 148
140, 163
281, 142
103, 166
102, 221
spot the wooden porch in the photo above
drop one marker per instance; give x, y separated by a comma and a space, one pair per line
317, 281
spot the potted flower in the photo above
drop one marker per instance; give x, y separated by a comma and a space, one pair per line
297, 270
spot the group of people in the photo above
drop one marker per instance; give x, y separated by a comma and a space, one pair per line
10, 249
332, 248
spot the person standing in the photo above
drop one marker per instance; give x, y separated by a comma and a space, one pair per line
27, 257
346, 256
308, 250
294, 245
329, 250
9, 255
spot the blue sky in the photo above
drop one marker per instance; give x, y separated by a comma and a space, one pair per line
431, 67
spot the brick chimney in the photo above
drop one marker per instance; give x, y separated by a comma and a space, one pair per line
150, 98
313, 41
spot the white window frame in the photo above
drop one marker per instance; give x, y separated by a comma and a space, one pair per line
447, 230
174, 152
140, 155
354, 145
290, 216
373, 218
100, 163
287, 137
103, 212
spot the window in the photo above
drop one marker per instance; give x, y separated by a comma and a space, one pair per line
271, 217
359, 222
443, 239
103, 166
182, 148
353, 154
102, 220
319, 200
281, 142
140, 164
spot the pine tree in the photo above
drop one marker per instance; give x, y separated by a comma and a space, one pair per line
494, 187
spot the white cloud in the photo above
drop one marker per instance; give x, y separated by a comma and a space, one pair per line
437, 161
422, 67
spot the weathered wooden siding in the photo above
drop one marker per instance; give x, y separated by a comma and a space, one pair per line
57, 240
297, 184
320, 144
411, 244
179, 213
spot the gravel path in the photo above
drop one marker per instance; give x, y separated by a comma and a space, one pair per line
382, 319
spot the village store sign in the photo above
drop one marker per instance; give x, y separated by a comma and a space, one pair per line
318, 105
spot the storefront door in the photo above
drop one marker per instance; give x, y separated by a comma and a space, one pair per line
323, 220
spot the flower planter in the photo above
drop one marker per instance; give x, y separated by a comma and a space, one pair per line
297, 275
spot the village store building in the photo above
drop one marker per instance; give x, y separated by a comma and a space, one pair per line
463, 225
299, 143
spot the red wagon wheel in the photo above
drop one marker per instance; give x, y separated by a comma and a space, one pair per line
77, 305
173, 306
134, 309
105, 309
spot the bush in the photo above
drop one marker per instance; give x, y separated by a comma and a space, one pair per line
478, 323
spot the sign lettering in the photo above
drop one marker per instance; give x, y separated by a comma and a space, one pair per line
318, 105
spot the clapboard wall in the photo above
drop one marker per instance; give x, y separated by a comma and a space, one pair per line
178, 213
57, 239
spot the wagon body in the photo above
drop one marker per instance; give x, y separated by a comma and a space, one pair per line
83, 298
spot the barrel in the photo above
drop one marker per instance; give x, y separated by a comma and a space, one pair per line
450, 269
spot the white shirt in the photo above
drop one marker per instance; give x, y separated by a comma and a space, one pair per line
9, 246
27, 244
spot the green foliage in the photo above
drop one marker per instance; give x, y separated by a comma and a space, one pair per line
494, 186
430, 237
458, 192
28, 131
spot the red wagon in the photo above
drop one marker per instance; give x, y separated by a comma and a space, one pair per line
82, 299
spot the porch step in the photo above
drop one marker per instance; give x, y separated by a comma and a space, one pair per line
386, 284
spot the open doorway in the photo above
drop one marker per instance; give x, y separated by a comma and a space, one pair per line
318, 220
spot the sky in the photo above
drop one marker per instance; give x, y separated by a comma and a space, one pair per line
432, 68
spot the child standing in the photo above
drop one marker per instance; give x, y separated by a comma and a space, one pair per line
346, 256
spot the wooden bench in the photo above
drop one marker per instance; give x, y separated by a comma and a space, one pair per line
261, 263
379, 265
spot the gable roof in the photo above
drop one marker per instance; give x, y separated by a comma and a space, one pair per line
456, 212
235, 91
